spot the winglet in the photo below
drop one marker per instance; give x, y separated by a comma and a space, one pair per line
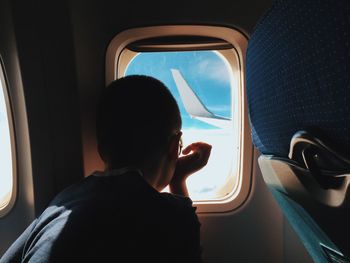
194, 106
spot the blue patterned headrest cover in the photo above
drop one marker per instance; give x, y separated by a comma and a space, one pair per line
298, 73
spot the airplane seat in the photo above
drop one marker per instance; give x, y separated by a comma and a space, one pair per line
298, 90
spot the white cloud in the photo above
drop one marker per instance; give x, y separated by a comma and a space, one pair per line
206, 183
214, 70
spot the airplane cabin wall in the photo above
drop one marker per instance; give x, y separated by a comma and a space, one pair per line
37, 51
22, 213
46, 56
60, 47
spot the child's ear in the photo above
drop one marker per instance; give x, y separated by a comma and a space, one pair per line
173, 149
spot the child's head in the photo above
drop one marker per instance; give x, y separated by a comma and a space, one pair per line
136, 119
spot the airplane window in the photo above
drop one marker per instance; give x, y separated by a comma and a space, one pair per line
202, 83
6, 177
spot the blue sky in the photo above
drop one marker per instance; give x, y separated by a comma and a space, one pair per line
204, 71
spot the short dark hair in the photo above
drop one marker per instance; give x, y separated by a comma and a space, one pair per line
135, 118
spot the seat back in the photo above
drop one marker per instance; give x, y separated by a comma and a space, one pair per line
298, 89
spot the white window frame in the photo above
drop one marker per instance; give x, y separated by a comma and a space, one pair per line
115, 68
8, 206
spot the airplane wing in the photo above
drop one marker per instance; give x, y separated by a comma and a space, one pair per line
194, 106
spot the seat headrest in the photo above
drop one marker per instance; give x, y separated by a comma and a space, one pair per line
298, 74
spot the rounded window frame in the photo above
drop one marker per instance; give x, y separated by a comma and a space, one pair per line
5, 89
115, 68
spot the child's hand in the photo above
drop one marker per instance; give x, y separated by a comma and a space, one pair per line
196, 156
